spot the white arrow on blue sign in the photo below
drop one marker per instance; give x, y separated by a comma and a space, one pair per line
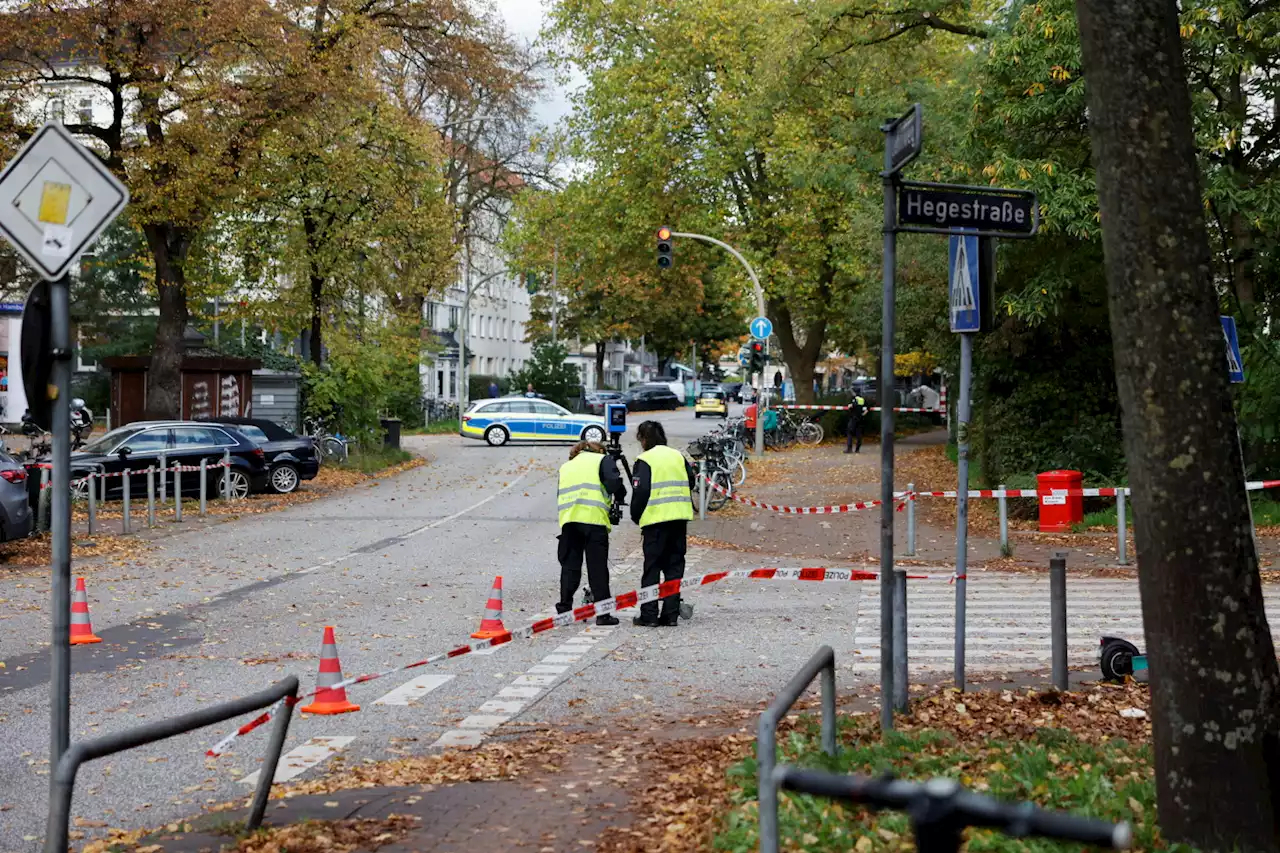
962, 284
761, 328
1235, 368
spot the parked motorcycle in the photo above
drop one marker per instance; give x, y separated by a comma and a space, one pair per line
81, 423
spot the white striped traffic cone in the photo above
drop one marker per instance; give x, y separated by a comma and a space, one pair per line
81, 627
491, 625
329, 700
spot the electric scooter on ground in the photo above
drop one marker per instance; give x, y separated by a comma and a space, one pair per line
1119, 658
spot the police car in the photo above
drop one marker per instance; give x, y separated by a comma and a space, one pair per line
527, 419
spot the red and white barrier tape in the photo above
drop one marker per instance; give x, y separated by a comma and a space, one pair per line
106, 475
798, 408
1252, 485
796, 510
581, 614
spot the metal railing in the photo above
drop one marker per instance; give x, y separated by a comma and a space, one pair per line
823, 663
64, 775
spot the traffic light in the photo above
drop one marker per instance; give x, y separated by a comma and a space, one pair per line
665, 257
757, 357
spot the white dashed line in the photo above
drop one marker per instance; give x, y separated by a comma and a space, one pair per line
546, 669
411, 691
497, 706
303, 758
520, 692
483, 721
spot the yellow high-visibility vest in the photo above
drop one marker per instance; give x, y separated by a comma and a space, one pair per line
669, 498
582, 497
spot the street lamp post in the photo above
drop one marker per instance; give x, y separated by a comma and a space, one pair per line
464, 389
755, 282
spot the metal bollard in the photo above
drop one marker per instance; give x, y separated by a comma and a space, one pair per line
226, 471
126, 520
42, 502
1122, 534
151, 496
1058, 617
702, 490
92, 491
164, 480
1004, 521
204, 487
911, 519
177, 491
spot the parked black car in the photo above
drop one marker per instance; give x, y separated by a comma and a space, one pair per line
140, 445
596, 400
644, 398
290, 458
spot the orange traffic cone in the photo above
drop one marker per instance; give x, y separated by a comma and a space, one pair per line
81, 628
328, 700
491, 625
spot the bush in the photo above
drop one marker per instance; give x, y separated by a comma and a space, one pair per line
550, 375
478, 385
362, 381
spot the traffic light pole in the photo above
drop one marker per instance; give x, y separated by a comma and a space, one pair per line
755, 282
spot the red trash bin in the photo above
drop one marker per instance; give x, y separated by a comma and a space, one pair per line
1059, 512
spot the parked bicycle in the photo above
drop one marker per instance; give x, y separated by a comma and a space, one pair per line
330, 445
714, 452
439, 410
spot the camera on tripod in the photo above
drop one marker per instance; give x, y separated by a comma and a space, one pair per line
615, 423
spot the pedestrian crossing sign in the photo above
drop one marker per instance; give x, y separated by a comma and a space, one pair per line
1235, 368
964, 286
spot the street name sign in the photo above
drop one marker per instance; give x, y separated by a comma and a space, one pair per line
761, 328
56, 197
903, 140
984, 211
1235, 367
963, 284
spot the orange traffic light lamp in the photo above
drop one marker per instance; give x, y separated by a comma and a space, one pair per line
666, 256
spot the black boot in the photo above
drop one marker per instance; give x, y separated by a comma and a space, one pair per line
641, 622
607, 619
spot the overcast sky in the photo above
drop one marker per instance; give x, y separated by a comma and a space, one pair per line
524, 18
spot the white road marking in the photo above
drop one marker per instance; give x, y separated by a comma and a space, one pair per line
458, 737
438, 522
491, 650
554, 658
411, 691
547, 669
535, 681
496, 706
520, 692
483, 721
412, 533
303, 758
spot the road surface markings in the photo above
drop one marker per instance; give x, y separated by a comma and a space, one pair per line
411, 691
417, 531
1007, 622
522, 691
302, 758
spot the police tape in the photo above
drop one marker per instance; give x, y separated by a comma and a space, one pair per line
799, 408
604, 607
106, 475
1251, 485
834, 509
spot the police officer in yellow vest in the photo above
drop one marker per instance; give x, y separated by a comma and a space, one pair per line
587, 482
662, 505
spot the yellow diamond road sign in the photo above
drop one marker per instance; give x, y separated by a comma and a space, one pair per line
56, 197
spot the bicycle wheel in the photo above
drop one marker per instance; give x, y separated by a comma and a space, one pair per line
738, 472
715, 497
809, 433
334, 449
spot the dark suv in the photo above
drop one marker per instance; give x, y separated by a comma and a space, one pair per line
645, 398
139, 446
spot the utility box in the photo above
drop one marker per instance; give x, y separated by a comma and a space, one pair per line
1059, 512
391, 433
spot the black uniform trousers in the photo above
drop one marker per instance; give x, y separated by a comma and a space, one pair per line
664, 550
853, 430
576, 540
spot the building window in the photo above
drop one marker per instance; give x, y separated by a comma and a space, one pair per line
431, 314
453, 316
84, 113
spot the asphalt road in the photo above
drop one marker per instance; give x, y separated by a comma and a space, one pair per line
401, 569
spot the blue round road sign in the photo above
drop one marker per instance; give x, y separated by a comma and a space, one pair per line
761, 328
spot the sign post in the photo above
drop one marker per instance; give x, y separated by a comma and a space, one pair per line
1235, 373
56, 197
931, 208
964, 288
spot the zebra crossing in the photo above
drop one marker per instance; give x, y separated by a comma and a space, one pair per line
1007, 622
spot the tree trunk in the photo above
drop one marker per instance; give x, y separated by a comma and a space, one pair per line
169, 248
600, 353
1242, 258
310, 228
801, 359
1213, 666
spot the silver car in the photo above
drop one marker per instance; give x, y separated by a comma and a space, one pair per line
15, 503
